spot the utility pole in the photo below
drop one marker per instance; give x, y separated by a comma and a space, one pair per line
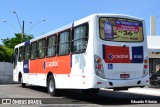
23, 30
21, 25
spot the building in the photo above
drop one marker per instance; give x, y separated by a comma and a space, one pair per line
153, 47
153, 53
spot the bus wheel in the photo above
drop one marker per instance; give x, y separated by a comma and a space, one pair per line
23, 84
90, 91
51, 86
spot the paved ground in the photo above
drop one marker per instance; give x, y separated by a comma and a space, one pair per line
75, 98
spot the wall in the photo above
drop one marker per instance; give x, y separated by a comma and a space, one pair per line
6, 72
153, 55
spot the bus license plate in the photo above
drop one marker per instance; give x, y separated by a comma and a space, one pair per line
124, 75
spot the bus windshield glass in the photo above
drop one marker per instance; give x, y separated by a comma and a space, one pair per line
120, 29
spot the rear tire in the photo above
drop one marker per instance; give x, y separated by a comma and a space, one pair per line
51, 86
90, 91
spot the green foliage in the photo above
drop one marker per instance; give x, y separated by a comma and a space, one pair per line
12, 42
6, 50
5, 54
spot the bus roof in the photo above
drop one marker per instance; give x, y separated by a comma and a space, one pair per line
81, 20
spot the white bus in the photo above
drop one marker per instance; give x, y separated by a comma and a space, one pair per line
98, 51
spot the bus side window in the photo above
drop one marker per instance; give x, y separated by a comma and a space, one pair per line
15, 57
51, 46
64, 42
21, 54
27, 52
41, 48
33, 50
80, 39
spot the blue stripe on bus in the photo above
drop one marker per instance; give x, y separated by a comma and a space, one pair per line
72, 24
71, 60
27, 42
26, 62
26, 66
104, 51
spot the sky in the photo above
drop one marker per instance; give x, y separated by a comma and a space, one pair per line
58, 13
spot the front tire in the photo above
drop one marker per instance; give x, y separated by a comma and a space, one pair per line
51, 86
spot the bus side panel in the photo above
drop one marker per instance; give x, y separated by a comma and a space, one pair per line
63, 65
70, 81
50, 65
79, 77
32, 79
62, 74
40, 66
56, 65
41, 80
33, 66
82, 66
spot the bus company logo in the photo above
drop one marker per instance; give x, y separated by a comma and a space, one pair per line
26, 66
44, 65
111, 56
52, 64
49, 64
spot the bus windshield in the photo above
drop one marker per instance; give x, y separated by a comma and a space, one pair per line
120, 29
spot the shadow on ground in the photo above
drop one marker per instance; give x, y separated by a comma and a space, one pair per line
104, 97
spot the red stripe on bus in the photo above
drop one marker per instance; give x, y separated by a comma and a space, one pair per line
56, 65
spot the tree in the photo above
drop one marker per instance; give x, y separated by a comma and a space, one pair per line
12, 42
6, 50
5, 54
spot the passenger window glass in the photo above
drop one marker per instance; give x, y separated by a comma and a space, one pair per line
27, 52
21, 54
80, 39
51, 43
33, 50
15, 57
64, 43
41, 48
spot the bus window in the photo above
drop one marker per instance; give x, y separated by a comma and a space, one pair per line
15, 57
120, 29
64, 43
21, 54
27, 52
41, 48
33, 50
51, 44
80, 39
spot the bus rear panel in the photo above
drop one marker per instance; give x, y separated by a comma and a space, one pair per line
121, 55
